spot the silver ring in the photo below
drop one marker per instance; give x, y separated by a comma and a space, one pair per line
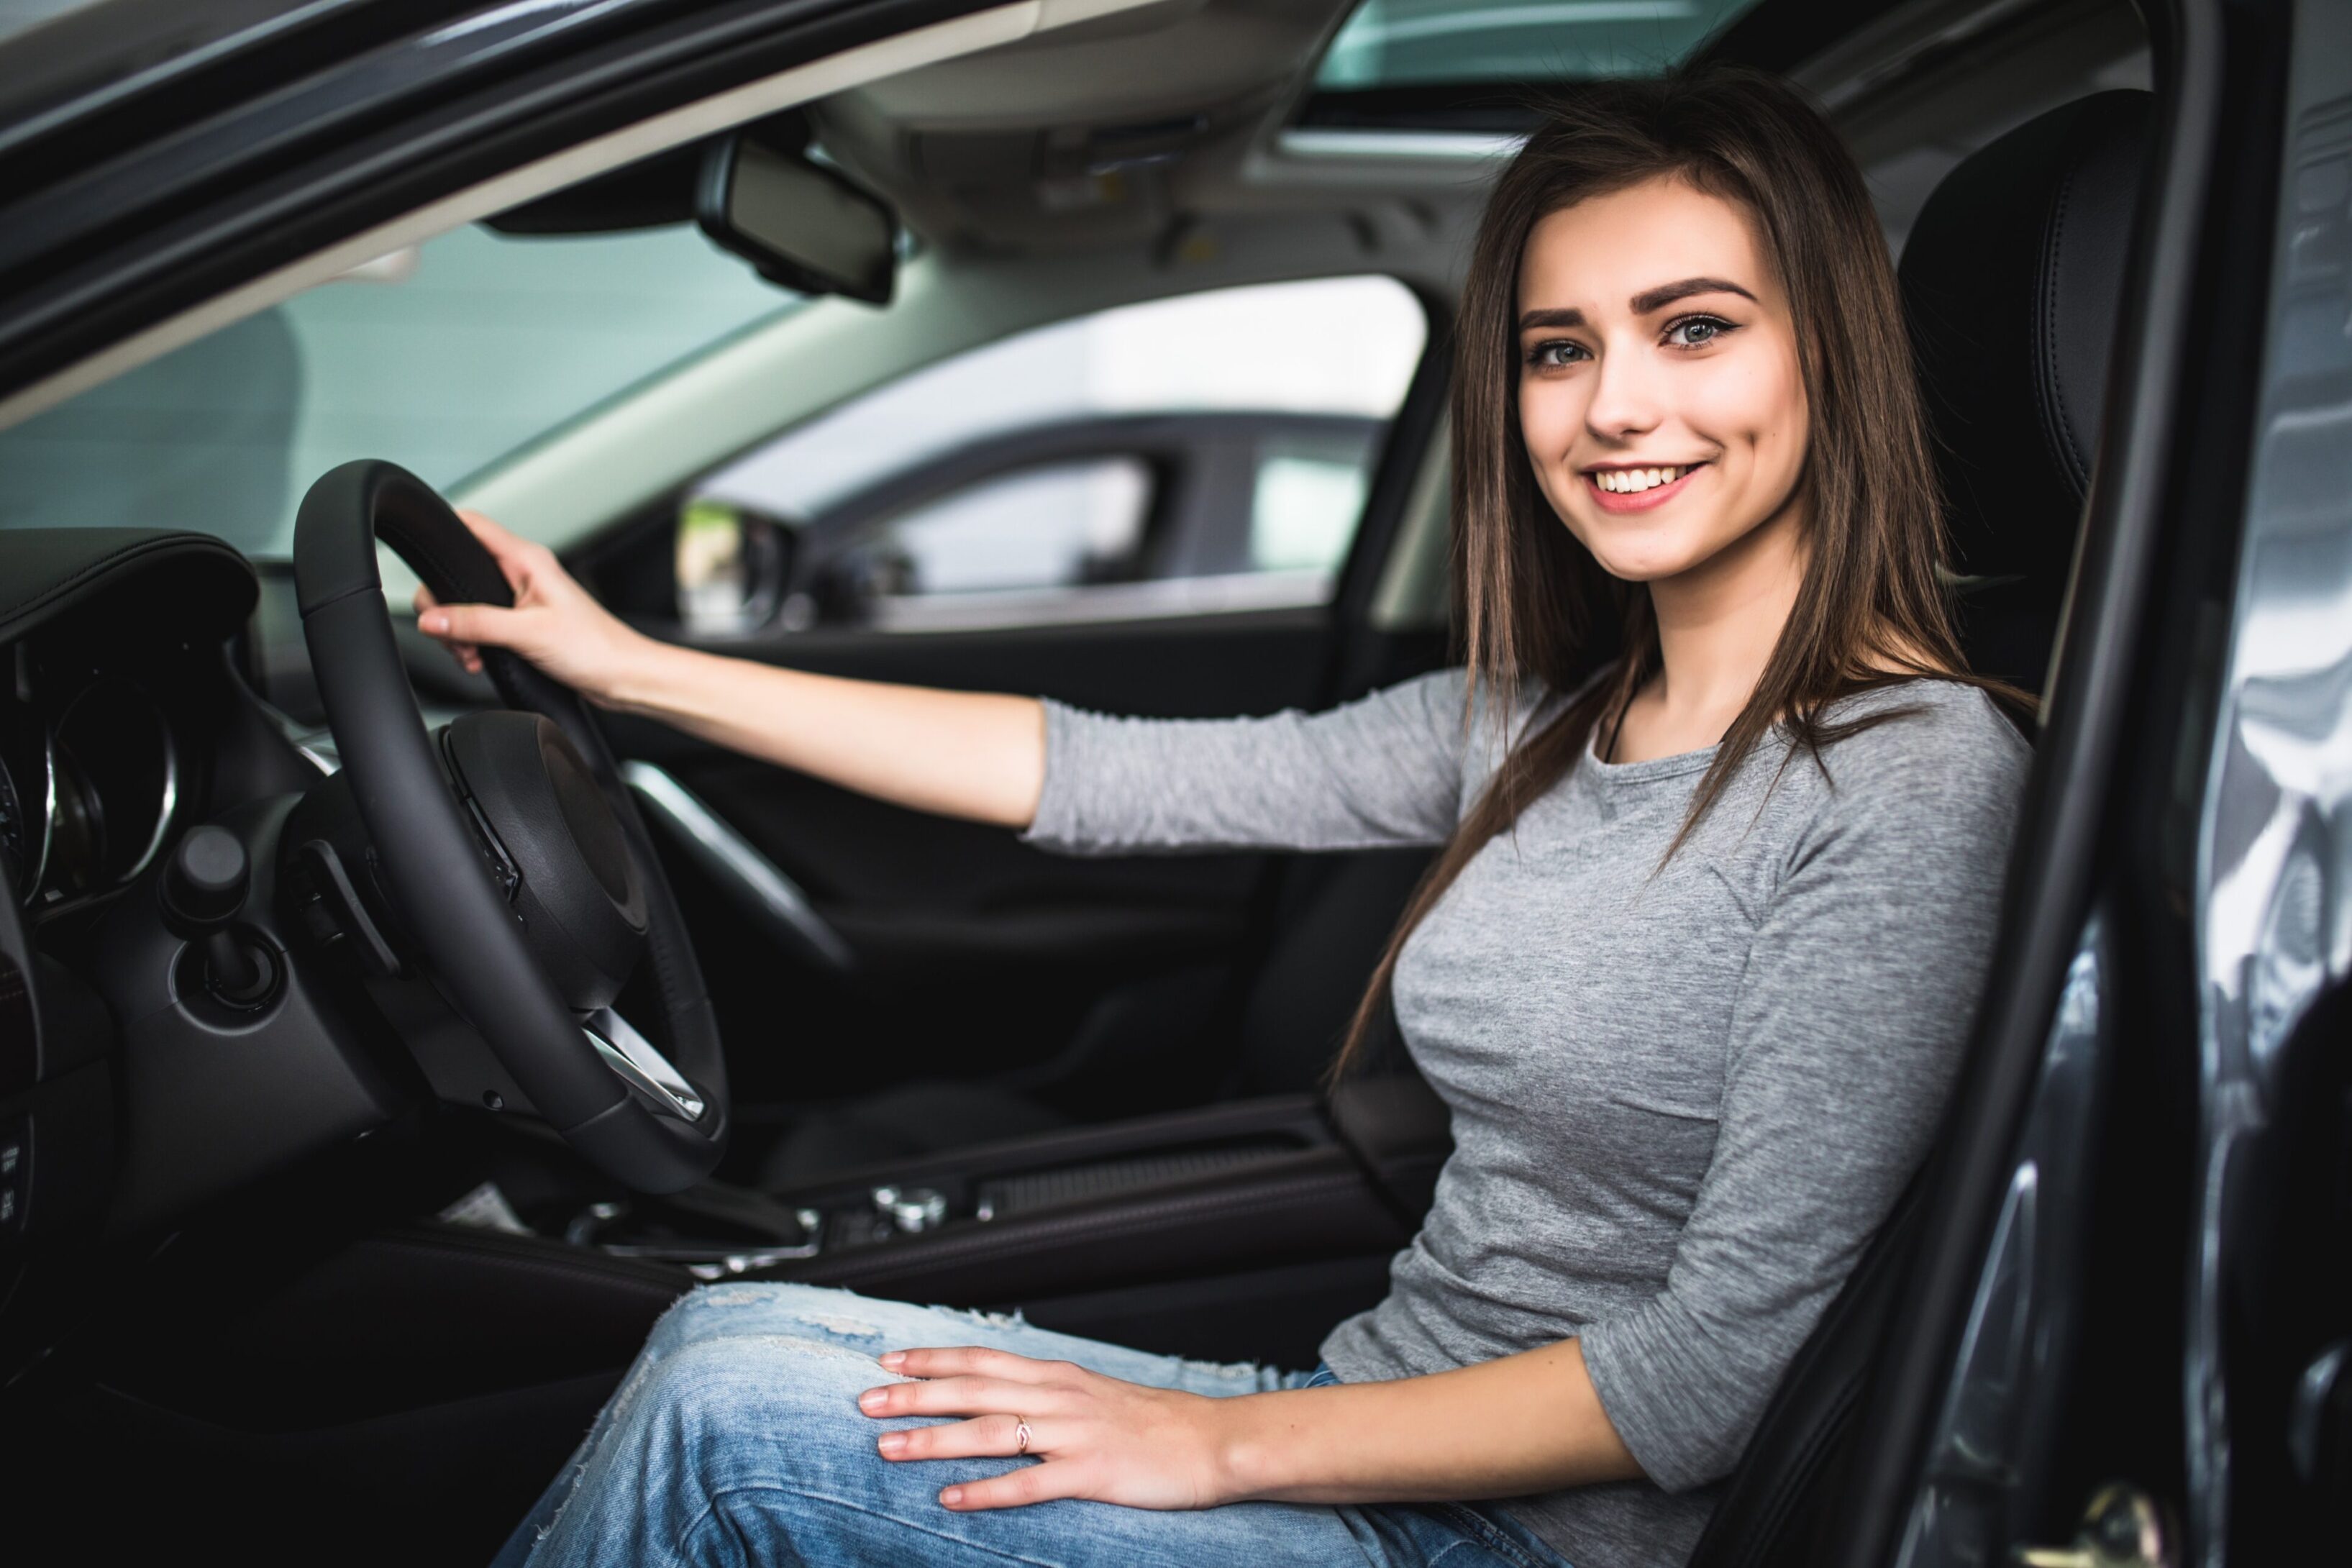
1020, 1436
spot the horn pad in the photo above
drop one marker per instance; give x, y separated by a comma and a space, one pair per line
553, 845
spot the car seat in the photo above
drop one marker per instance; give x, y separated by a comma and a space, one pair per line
2012, 279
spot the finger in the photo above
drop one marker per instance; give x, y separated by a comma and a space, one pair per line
955, 1397
953, 1360
473, 624
1017, 1488
467, 657
985, 1437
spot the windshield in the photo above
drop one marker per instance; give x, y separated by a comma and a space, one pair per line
442, 358
1394, 43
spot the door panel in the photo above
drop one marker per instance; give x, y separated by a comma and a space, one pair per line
978, 955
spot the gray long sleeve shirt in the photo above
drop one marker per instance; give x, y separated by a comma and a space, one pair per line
1681, 1101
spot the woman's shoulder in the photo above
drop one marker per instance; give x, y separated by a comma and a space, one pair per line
1922, 745
1930, 714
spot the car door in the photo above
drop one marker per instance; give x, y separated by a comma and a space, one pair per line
1060, 514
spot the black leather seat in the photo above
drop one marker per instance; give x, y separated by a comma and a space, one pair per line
2011, 279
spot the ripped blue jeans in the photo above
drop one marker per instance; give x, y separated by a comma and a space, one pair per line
736, 1439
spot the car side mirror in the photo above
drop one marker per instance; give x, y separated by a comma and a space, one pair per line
731, 565
799, 223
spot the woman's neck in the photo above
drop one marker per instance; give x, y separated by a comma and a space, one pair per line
1717, 624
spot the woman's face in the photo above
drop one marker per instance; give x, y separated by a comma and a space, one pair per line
1660, 394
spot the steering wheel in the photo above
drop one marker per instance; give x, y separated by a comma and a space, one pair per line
511, 850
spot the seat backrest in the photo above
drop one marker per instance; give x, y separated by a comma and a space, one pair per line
2012, 279
2009, 279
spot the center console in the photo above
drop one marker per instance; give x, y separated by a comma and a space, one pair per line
1201, 1232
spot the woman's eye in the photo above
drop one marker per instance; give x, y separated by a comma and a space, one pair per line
1697, 331
1554, 355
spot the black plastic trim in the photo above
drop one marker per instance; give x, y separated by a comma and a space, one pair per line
2070, 810
195, 207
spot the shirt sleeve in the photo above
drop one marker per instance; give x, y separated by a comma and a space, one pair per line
1384, 770
1856, 1003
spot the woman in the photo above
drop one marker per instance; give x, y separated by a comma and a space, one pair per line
1692, 973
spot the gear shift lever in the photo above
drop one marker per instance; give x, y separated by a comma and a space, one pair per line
202, 890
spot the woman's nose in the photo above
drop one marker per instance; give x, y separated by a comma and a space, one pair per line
1624, 397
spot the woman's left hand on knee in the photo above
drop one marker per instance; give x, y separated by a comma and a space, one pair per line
1096, 1436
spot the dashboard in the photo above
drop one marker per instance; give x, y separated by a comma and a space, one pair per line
122, 720
92, 781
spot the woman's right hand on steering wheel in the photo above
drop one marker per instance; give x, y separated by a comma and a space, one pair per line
555, 622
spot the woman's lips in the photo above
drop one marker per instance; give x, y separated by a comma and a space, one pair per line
1639, 501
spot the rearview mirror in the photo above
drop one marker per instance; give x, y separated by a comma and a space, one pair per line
799, 223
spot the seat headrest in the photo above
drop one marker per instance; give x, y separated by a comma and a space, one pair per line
2012, 279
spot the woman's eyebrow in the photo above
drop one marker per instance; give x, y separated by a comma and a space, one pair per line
1665, 294
1553, 318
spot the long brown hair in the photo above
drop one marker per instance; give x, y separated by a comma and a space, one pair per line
1532, 605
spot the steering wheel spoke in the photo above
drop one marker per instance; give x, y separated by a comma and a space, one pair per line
638, 1063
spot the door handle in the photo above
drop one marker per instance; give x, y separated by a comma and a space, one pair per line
2123, 1528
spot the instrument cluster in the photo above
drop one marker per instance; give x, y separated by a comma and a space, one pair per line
89, 784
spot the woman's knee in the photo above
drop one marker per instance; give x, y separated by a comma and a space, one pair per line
802, 1312
722, 1311
752, 1410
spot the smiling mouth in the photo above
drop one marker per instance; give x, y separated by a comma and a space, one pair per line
1633, 481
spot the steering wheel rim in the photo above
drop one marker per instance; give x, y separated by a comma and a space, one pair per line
463, 922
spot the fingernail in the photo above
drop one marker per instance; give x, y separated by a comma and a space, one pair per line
433, 621
894, 1359
890, 1442
870, 1400
952, 1496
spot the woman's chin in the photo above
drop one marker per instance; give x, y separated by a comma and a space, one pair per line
1646, 565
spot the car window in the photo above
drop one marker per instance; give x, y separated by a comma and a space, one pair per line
441, 358
1228, 433
1303, 506
1056, 525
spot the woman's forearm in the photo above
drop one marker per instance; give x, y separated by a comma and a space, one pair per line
953, 753
969, 754
1525, 1423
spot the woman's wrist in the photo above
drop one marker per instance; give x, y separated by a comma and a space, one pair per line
1244, 1446
646, 676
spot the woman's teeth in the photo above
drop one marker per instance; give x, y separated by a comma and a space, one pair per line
1631, 481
